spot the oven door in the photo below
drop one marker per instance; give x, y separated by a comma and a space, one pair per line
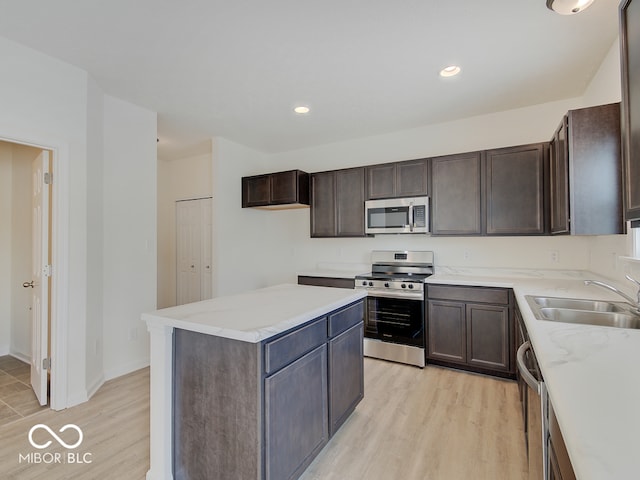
395, 318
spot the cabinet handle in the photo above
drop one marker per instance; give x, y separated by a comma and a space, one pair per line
524, 371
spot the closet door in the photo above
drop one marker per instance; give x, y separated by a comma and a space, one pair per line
193, 227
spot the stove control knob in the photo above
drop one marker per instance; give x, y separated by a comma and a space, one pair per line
403, 286
371, 284
386, 284
410, 286
364, 283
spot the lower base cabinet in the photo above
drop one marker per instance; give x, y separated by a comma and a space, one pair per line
560, 467
264, 410
471, 327
296, 415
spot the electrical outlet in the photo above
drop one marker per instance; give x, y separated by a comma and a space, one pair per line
133, 334
554, 256
466, 255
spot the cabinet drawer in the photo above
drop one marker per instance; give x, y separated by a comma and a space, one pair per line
342, 320
469, 294
286, 349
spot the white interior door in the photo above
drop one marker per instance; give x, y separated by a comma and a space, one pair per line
193, 245
40, 277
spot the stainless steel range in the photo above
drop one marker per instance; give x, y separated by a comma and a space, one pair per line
394, 314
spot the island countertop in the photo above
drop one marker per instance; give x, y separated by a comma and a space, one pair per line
256, 315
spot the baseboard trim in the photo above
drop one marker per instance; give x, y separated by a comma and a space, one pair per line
4, 350
20, 356
93, 388
124, 369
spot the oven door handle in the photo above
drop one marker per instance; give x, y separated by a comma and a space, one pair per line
522, 367
417, 296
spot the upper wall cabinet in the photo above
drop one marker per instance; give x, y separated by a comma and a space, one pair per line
516, 197
630, 62
400, 179
456, 194
274, 191
337, 203
586, 173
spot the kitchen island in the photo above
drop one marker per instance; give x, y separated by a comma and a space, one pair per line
252, 385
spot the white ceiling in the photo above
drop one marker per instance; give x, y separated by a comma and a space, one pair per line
365, 67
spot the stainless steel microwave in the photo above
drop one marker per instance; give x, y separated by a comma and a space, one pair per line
397, 215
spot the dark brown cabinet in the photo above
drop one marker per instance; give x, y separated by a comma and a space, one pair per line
516, 200
288, 189
470, 327
337, 203
586, 173
560, 467
456, 194
630, 62
400, 179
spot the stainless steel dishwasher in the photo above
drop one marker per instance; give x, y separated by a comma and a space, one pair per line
537, 413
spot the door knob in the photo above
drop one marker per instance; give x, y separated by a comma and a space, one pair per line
28, 284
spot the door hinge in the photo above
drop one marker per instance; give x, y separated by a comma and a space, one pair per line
48, 180
46, 270
46, 363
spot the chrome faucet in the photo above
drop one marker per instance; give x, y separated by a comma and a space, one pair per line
635, 302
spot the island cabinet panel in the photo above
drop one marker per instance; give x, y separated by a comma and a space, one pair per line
215, 438
326, 281
296, 415
471, 328
456, 194
560, 467
515, 190
264, 410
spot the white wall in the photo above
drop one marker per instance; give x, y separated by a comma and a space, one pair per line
179, 179
130, 232
111, 273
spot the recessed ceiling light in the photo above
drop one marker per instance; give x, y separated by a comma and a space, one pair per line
302, 109
568, 7
450, 71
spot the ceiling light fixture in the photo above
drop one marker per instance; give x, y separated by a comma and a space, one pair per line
568, 7
450, 71
301, 110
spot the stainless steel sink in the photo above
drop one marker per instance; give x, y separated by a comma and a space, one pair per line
603, 319
586, 312
580, 304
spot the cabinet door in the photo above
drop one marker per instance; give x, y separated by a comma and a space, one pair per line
381, 181
323, 204
256, 191
446, 331
456, 194
296, 415
350, 202
346, 375
630, 61
412, 178
515, 193
488, 344
559, 160
284, 187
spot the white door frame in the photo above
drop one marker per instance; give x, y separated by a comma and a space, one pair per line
59, 253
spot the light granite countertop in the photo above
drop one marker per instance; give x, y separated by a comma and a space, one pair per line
257, 315
591, 372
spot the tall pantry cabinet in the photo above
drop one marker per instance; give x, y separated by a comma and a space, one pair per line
194, 250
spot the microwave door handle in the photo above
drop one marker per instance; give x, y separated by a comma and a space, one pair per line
412, 222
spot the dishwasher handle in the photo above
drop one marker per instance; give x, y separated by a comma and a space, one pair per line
524, 371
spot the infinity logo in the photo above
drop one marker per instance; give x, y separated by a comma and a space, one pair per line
53, 434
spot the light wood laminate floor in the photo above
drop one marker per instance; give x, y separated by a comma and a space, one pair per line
412, 424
